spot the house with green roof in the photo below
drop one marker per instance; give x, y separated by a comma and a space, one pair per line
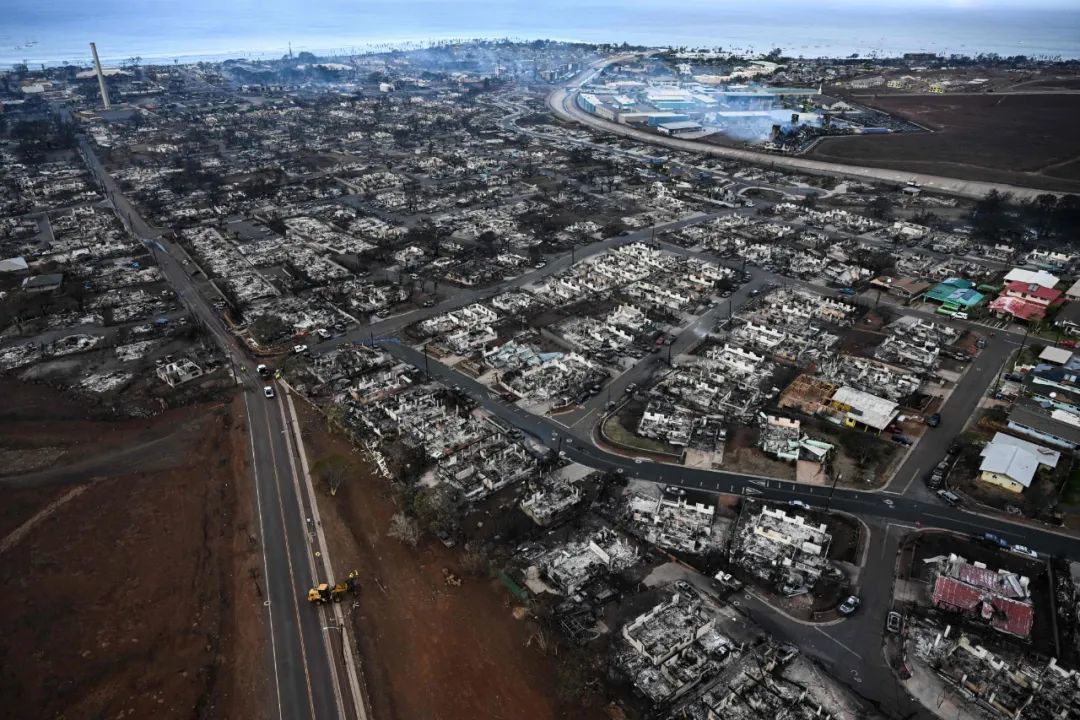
954, 295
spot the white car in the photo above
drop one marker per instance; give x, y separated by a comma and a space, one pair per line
268, 392
1024, 550
297, 349
728, 580
540, 264
799, 504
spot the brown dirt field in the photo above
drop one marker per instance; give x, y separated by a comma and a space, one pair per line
50, 438
133, 598
1021, 139
429, 650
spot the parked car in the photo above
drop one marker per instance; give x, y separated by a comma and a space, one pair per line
994, 539
847, 291
849, 606
268, 392
725, 294
1024, 550
1067, 343
299, 349
674, 490
262, 370
429, 303
894, 622
540, 264
902, 439
950, 498
728, 580
934, 420
799, 504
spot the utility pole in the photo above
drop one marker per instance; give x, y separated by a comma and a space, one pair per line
828, 500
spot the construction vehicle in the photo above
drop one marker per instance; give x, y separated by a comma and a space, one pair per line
325, 592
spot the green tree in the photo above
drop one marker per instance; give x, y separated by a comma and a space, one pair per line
334, 470
269, 329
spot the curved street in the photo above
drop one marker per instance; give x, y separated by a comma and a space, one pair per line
563, 103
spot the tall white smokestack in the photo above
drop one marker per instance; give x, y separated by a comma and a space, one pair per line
100, 78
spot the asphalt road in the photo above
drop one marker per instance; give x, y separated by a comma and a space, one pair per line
958, 409
305, 678
850, 649
578, 446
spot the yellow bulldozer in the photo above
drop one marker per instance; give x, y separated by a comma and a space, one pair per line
325, 592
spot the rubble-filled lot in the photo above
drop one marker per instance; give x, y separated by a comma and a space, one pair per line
83, 306
992, 627
455, 472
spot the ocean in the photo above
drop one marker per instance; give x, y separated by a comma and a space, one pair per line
58, 31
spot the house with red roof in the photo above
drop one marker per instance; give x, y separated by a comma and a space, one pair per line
1026, 301
998, 598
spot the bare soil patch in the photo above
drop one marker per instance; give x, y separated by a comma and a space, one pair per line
1020, 139
49, 438
132, 597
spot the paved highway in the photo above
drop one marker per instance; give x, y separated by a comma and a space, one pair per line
563, 102
305, 670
